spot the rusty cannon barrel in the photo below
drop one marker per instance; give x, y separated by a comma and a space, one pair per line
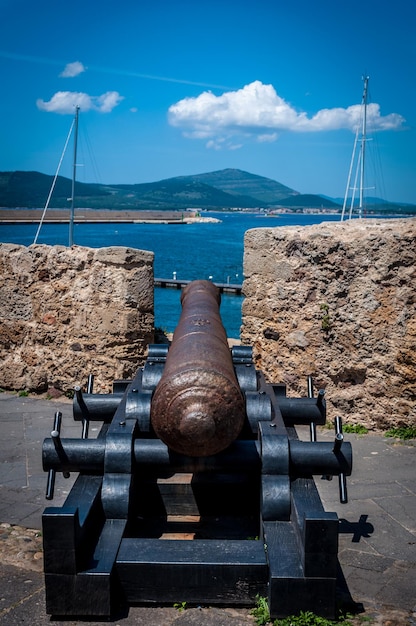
198, 408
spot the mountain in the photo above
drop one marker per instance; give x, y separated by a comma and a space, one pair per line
240, 183
182, 192
378, 205
310, 201
222, 189
31, 189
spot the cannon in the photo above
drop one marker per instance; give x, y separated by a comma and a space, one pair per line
197, 487
198, 407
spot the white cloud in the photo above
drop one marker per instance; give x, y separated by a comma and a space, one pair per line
107, 102
72, 69
64, 102
257, 112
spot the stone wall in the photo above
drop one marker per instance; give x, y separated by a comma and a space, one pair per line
337, 300
69, 312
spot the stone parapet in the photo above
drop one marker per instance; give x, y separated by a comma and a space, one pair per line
337, 300
68, 312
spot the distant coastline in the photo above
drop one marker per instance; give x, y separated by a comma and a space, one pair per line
224, 190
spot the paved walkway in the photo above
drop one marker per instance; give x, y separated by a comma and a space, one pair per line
377, 551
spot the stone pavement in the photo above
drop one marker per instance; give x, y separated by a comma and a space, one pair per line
377, 550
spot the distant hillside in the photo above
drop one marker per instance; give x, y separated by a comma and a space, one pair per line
237, 182
183, 192
223, 189
31, 189
380, 206
310, 201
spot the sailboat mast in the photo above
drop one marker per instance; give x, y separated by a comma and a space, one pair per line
74, 170
360, 164
363, 145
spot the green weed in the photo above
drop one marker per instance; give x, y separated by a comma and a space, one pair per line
402, 432
326, 322
358, 429
180, 606
307, 618
23, 394
261, 611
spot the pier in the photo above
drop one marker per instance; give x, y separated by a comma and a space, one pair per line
173, 283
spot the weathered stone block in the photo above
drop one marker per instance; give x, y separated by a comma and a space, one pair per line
64, 312
337, 300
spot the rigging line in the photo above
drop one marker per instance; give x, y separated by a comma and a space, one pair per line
54, 182
350, 174
92, 161
375, 156
376, 163
354, 189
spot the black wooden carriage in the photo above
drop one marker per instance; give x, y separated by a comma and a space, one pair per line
152, 519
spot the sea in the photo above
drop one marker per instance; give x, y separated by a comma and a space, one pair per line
206, 250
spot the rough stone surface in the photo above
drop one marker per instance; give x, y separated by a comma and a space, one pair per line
68, 312
337, 300
21, 547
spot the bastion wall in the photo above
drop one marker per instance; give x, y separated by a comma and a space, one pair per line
66, 313
337, 301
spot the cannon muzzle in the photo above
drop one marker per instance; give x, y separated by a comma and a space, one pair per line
198, 408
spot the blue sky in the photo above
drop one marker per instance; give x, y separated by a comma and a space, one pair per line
170, 88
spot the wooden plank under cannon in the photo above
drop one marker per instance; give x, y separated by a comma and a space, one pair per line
209, 571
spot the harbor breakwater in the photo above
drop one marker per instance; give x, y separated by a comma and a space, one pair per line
101, 216
335, 300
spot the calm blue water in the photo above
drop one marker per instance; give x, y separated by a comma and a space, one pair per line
193, 251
